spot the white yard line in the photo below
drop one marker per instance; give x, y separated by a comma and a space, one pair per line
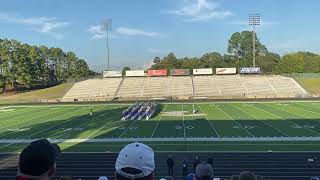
262, 121
85, 122
213, 128
111, 122
25, 121
286, 119
35, 117
184, 127
236, 122
176, 139
17, 116
301, 118
17, 112
309, 106
134, 121
318, 113
96, 131
155, 129
56, 124
37, 132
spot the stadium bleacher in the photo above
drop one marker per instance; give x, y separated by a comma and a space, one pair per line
131, 87
180, 86
272, 166
93, 89
185, 87
156, 87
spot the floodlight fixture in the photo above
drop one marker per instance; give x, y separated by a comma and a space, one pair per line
254, 20
107, 26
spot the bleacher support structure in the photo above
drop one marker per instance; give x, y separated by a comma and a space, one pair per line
186, 87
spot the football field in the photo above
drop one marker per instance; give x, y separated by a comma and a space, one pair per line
247, 126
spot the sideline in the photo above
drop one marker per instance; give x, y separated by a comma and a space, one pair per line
178, 139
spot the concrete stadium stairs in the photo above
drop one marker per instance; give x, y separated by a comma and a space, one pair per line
272, 166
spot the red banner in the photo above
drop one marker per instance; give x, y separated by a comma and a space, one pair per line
161, 72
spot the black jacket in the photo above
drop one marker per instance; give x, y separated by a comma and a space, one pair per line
170, 162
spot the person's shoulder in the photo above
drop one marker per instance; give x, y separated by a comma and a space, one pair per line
190, 176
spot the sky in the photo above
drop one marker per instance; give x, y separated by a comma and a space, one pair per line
143, 29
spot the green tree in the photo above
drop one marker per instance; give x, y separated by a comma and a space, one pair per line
82, 69
124, 69
268, 62
156, 60
168, 62
211, 60
312, 64
190, 63
29, 66
291, 63
240, 45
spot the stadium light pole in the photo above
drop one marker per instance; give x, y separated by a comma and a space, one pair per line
254, 20
107, 26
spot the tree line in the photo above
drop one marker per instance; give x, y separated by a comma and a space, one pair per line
240, 54
30, 66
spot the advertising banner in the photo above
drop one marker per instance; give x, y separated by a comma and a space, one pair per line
135, 73
204, 71
226, 70
250, 70
179, 72
160, 72
107, 74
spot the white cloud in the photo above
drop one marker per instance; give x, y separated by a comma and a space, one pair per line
40, 24
98, 33
135, 32
200, 10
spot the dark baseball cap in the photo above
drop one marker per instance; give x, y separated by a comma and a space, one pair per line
38, 157
204, 171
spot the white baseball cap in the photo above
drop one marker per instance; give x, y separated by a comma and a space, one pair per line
103, 178
138, 156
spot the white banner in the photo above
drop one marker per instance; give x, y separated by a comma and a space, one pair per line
112, 74
226, 70
250, 70
133, 73
204, 71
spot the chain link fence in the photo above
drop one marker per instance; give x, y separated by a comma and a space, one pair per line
302, 75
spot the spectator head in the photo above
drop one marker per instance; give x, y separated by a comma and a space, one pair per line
246, 175
204, 171
135, 161
38, 160
103, 178
314, 178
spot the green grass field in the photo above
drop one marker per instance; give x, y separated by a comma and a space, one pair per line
37, 95
312, 85
276, 126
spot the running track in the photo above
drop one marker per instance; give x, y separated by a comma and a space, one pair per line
270, 165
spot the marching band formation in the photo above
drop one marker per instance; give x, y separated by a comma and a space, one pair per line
139, 111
